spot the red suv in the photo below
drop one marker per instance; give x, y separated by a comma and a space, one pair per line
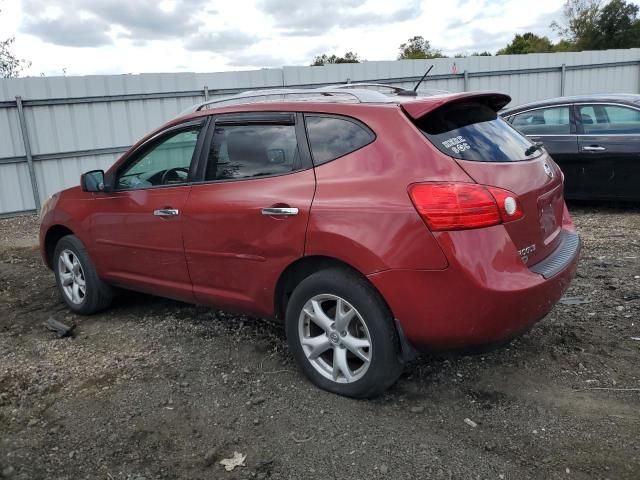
373, 226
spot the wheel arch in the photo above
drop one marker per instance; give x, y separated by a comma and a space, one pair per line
303, 267
300, 269
51, 239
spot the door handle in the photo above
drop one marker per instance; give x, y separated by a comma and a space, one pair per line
593, 148
279, 211
166, 212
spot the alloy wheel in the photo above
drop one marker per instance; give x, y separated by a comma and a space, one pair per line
335, 338
72, 280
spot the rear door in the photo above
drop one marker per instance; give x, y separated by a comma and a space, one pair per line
610, 147
246, 218
556, 129
493, 153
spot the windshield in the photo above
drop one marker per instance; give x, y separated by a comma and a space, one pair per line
473, 131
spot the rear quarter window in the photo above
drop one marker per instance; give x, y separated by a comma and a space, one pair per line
331, 137
474, 131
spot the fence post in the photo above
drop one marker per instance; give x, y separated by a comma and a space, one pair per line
27, 151
563, 79
466, 81
206, 93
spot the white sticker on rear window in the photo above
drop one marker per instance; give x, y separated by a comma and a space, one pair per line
456, 144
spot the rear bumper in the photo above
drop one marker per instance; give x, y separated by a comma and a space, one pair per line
486, 295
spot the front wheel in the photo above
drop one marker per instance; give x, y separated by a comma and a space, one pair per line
341, 334
77, 279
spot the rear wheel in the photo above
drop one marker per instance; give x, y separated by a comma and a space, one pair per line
341, 334
78, 282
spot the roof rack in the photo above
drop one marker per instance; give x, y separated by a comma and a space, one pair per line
324, 94
403, 92
364, 86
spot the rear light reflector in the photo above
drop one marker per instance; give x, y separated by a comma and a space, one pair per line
461, 206
508, 204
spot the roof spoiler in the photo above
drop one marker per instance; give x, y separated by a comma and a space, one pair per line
419, 108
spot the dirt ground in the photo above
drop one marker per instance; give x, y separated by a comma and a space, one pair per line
158, 389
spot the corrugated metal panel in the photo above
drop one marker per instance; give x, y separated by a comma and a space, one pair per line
55, 175
604, 80
84, 126
15, 188
10, 138
88, 125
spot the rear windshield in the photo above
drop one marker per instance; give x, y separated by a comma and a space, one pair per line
473, 131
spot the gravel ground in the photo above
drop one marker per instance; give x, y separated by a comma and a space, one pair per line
158, 389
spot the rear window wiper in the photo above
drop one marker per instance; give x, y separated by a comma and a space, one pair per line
532, 149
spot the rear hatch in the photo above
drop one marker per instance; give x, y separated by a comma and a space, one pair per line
468, 129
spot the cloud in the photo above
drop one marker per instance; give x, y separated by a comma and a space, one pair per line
144, 19
542, 25
310, 17
69, 31
482, 40
140, 20
224, 41
255, 60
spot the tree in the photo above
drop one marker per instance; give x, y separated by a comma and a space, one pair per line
418, 48
325, 59
580, 23
473, 54
618, 26
588, 25
564, 46
527, 43
10, 65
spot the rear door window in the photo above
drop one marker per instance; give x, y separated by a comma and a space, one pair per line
544, 121
474, 131
331, 137
252, 150
609, 119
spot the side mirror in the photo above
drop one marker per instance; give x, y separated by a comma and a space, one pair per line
92, 181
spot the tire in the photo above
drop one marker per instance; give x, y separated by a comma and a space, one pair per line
332, 349
73, 268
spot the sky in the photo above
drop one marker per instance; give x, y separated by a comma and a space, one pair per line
82, 37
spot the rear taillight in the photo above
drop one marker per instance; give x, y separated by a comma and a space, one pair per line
460, 206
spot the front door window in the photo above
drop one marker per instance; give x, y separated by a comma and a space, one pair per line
164, 163
609, 120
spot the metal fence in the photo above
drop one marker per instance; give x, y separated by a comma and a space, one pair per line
54, 128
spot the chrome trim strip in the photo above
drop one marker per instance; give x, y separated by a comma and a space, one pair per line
546, 107
585, 135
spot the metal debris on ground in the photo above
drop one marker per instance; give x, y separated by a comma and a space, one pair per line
573, 300
60, 328
470, 422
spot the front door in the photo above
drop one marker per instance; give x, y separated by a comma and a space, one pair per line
610, 147
246, 220
137, 228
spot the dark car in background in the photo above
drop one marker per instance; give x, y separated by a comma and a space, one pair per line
595, 139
